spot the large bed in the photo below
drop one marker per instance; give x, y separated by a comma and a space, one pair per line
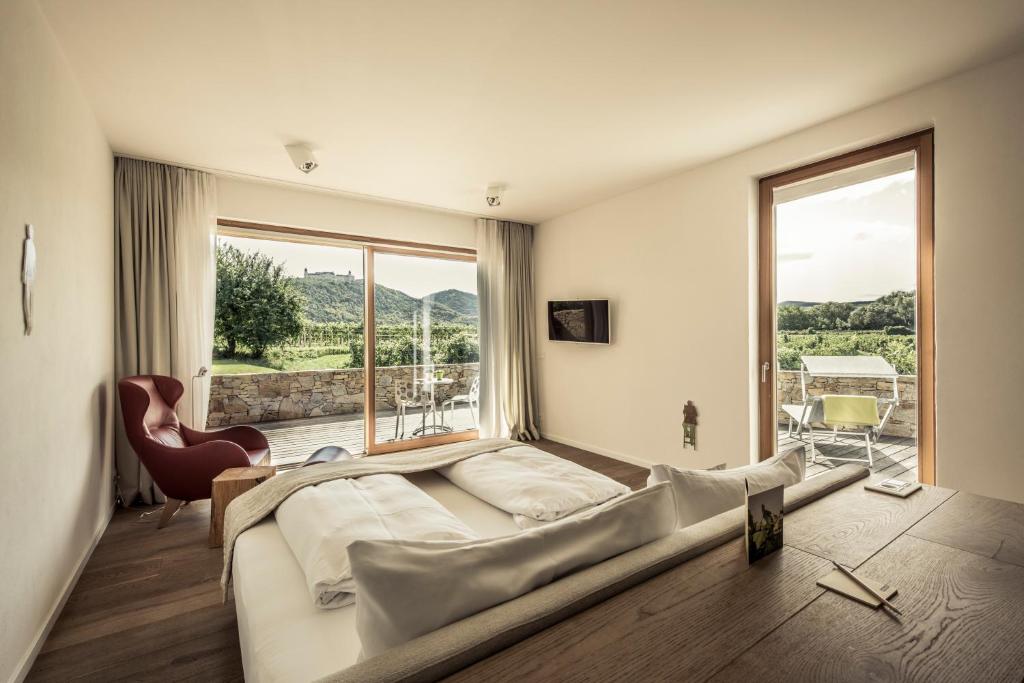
283, 636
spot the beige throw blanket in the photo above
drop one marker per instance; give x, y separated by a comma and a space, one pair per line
253, 506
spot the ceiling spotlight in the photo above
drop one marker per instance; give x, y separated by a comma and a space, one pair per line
493, 195
302, 157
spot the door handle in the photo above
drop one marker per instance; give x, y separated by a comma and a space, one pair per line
765, 367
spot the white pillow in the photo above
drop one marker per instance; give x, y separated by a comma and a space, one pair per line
531, 485
405, 589
701, 494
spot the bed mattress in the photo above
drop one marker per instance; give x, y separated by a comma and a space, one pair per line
283, 637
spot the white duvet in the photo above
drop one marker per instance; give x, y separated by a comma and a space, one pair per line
319, 522
533, 486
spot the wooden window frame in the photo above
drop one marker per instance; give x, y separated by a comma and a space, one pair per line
922, 145
308, 235
370, 246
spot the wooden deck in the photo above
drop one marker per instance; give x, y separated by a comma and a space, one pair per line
292, 441
895, 457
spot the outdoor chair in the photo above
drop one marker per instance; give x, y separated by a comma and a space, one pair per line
408, 395
472, 398
851, 412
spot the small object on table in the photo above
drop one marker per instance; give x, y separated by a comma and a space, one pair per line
876, 594
228, 485
894, 487
764, 522
327, 454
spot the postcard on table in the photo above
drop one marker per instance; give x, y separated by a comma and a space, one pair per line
764, 522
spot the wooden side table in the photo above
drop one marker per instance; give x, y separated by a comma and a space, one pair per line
228, 485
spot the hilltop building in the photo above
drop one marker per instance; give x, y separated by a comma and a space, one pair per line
349, 277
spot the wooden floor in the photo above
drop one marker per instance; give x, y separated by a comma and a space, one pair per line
292, 441
148, 606
895, 457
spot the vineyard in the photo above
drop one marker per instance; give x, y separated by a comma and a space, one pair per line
899, 349
321, 346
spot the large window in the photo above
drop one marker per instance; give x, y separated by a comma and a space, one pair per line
291, 342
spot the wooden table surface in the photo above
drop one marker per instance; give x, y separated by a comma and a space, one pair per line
956, 559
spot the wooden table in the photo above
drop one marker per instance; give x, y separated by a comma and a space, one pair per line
956, 559
228, 485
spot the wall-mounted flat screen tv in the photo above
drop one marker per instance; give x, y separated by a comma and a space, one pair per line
579, 321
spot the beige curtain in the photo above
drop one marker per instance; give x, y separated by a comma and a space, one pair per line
508, 390
165, 228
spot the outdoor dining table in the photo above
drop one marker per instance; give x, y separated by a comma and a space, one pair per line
431, 383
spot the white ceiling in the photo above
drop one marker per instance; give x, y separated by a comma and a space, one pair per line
565, 101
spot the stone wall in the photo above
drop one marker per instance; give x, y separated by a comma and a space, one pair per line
902, 422
266, 397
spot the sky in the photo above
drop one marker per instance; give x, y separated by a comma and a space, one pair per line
413, 275
853, 243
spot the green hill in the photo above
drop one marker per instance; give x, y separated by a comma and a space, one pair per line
332, 299
462, 303
808, 304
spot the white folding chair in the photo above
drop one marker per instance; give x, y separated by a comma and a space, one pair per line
472, 398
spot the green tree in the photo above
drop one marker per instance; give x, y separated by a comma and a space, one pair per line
891, 310
831, 315
458, 348
257, 306
794, 318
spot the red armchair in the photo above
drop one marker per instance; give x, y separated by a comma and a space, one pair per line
182, 461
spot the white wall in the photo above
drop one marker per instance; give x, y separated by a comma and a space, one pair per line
677, 258
281, 204
56, 171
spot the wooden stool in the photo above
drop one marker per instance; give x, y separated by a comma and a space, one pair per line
228, 485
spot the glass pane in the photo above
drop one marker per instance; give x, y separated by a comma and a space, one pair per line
846, 264
288, 347
426, 324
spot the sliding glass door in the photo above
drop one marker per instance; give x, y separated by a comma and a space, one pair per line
324, 341
425, 338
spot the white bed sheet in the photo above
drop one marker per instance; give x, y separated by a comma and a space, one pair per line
283, 637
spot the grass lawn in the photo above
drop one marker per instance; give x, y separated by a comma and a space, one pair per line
248, 366
235, 366
329, 362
